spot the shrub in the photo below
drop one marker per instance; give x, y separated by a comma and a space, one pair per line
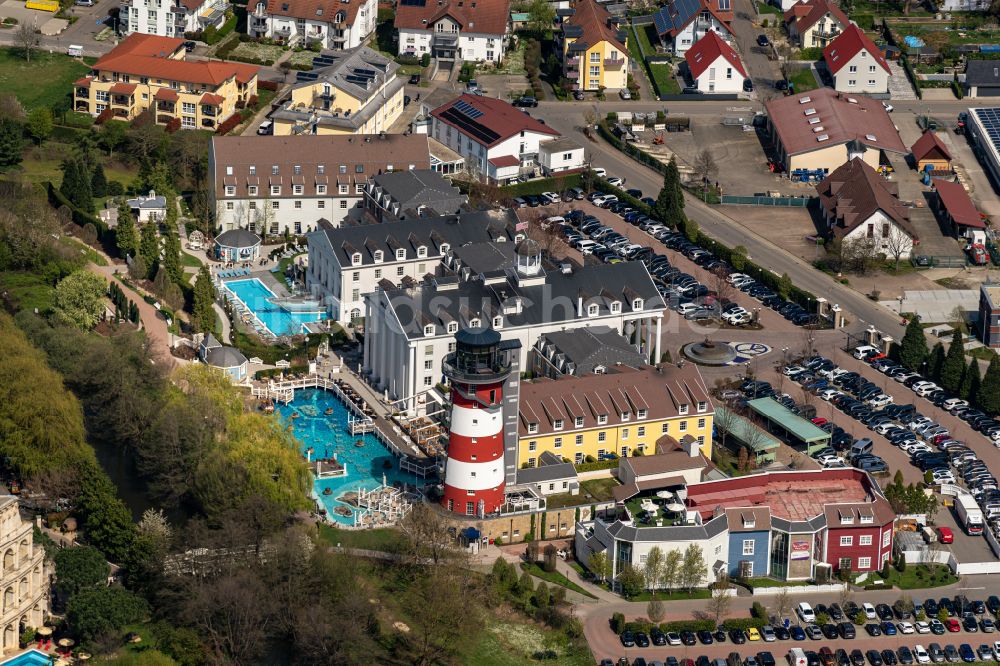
425, 60
744, 623
688, 625
268, 85
637, 626
758, 610
227, 125
618, 623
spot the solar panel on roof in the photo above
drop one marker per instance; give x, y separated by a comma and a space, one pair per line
483, 134
412, 3
370, 73
358, 80
467, 109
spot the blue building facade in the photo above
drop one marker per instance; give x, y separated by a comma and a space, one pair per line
748, 553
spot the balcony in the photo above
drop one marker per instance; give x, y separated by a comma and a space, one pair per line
573, 74
572, 61
614, 63
121, 100
83, 105
827, 34
447, 39
207, 122
83, 92
480, 374
166, 107
163, 119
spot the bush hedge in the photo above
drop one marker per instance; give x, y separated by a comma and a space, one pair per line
911, 76
688, 625
79, 217
743, 623
594, 466
276, 372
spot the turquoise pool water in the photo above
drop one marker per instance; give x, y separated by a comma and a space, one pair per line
278, 320
329, 436
30, 658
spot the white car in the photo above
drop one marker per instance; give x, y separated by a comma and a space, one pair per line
736, 277
807, 614
905, 627
616, 181
600, 171
863, 350
551, 197
869, 611
883, 428
927, 389
827, 458
737, 319
685, 308
829, 394
790, 370
888, 107
835, 464
954, 403
944, 476
920, 654
880, 401
922, 627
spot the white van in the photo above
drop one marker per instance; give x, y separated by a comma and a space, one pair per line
806, 612
797, 657
75, 50
266, 127
863, 350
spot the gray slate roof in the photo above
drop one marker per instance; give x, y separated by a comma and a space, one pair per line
421, 187
713, 527
982, 73
486, 257
550, 298
550, 468
432, 232
155, 202
238, 238
588, 348
225, 357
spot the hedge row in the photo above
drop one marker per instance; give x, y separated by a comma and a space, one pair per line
268, 85
678, 625
594, 466
276, 372
743, 623
911, 76
80, 218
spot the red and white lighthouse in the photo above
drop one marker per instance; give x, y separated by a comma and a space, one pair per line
474, 480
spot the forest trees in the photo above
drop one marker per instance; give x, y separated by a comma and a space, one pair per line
76, 184
670, 202
203, 314
80, 299
913, 348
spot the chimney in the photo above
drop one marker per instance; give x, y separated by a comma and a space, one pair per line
690, 446
579, 306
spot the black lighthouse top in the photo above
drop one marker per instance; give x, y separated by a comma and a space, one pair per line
480, 356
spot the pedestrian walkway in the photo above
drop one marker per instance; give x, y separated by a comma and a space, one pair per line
900, 87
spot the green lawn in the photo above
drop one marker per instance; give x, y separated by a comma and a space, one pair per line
190, 261
771, 582
664, 80
42, 163
43, 81
642, 34
919, 576
85, 251
591, 491
768, 8
676, 595
28, 290
803, 80
514, 643
556, 578
385, 539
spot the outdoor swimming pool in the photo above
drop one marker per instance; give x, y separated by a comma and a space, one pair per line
277, 319
329, 436
30, 658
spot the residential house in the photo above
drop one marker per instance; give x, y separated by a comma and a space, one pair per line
333, 24
149, 208
178, 17
356, 92
582, 351
856, 64
560, 155
551, 476
815, 23
349, 262
408, 330
497, 141
613, 414
982, 78
229, 360
930, 154
713, 66
149, 73
405, 195
595, 55
681, 23
860, 205
454, 30
819, 130
287, 184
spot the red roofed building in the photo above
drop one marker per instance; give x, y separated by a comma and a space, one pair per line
174, 18
147, 72
815, 22
474, 30
714, 66
333, 24
857, 65
954, 206
929, 151
594, 51
498, 141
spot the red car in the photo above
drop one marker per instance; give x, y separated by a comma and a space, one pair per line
953, 625
819, 420
945, 535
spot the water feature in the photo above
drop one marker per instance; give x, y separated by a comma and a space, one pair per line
261, 301
328, 435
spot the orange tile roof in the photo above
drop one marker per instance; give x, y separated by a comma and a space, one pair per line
85, 81
929, 142
707, 50
849, 44
504, 161
212, 100
817, 9
167, 94
593, 18
149, 55
123, 89
313, 10
496, 115
488, 17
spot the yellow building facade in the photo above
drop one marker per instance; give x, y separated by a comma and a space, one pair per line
595, 53
149, 73
620, 413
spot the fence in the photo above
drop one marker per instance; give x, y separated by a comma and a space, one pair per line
798, 589
791, 202
937, 261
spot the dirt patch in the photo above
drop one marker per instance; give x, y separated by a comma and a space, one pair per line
956, 283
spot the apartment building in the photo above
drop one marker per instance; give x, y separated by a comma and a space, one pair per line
857, 65
149, 73
172, 18
681, 23
622, 411
357, 92
595, 55
278, 184
454, 30
333, 24
405, 195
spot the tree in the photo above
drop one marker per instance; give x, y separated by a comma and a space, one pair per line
693, 569
671, 569
39, 124
691, 230
76, 184
203, 314
112, 135
26, 39
782, 603
954, 364
126, 234
670, 202
913, 347
172, 256
934, 362
720, 601
149, 247
79, 299
542, 14
705, 168
98, 182
785, 286
897, 243
80, 568
11, 142
138, 269
655, 610
631, 581
550, 555
600, 565
443, 616
94, 612
738, 258
653, 567
971, 382
988, 398
425, 529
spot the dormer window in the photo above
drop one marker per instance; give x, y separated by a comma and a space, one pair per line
702, 406
637, 304
682, 409
578, 422
497, 322
355, 258
626, 416
444, 248
641, 414
532, 427
429, 329
452, 327
749, 522
616, 307
474, 323
518, 238
602, 419
557, 424
378, 256
867, 518
421, 252
591, 310
847, 518
400, 254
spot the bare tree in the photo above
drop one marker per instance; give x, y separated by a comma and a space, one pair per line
896, 242
705, 168
443, 615
26, 39
718, 605
846, 595
782, 603
427, 537
725, 422
808, 342
655, 611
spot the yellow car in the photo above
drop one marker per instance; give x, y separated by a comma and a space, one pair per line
753, 634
